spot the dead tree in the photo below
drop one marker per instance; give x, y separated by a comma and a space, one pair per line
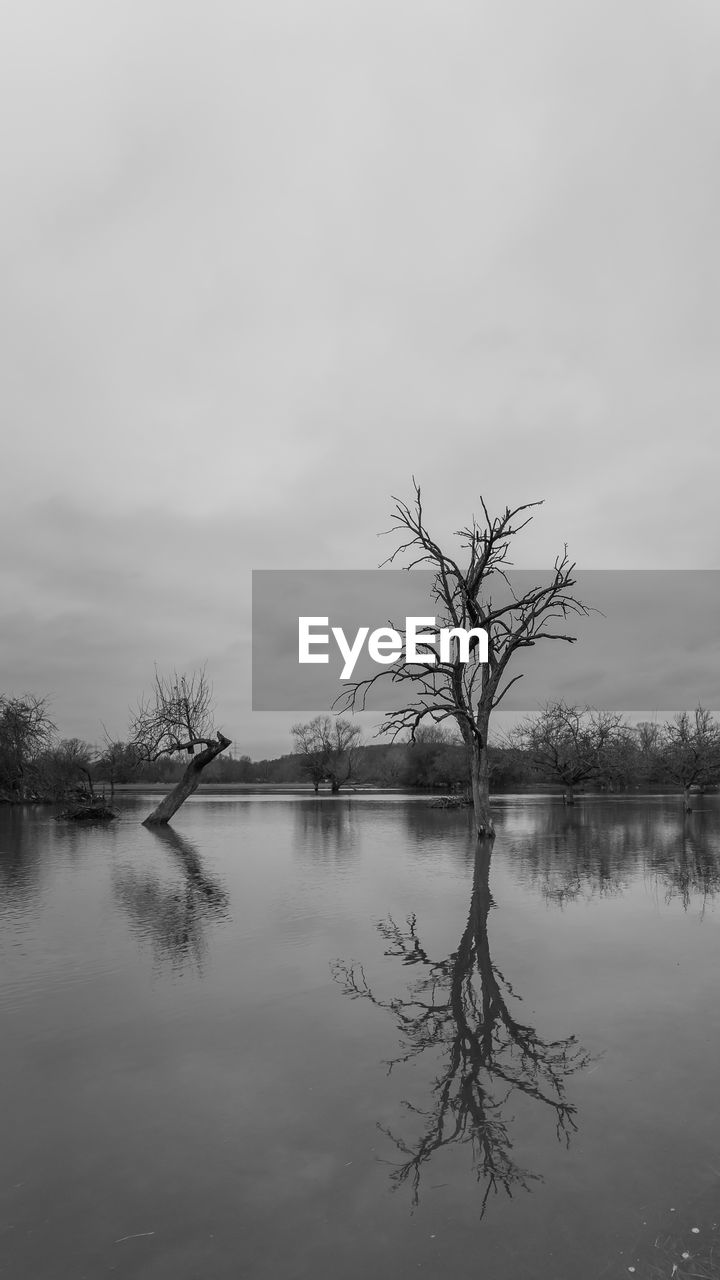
174, 720
468, 691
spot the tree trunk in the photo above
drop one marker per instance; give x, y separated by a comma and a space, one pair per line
686, 800
480, 786
187, 784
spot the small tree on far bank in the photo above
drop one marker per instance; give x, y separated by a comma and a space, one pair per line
572, 745
310, 748
117, 763
174, 720
327, 747
688, 751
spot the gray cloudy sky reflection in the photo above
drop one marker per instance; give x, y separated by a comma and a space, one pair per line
261, 262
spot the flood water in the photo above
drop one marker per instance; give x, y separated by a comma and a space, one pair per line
301, 1037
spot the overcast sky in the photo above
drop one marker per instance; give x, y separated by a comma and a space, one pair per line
262, 261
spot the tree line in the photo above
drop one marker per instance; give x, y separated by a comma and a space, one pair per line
567, 746
563, 747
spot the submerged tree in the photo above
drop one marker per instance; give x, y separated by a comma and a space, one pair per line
327, 747
469, 691
460, 1009
572, 745
689, 751
175, 719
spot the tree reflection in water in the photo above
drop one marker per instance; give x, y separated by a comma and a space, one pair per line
694, 869
599, 852
175, 918
459, 1007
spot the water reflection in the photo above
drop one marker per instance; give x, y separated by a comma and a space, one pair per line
175, 918
326, 829
427, 825
693, 869
598, 853
21, 863
459, 1007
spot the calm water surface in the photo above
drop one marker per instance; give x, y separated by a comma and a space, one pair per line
303, 1037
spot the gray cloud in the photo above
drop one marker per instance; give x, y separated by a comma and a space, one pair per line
262, 262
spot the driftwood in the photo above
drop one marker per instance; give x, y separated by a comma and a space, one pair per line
87, 813
451, 802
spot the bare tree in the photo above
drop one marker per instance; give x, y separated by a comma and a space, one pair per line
26, 731
176, 718
117, 762
689, 751
640, 753
468, 692
309, 746
65, 769
572, 744
327, 746
460, 1008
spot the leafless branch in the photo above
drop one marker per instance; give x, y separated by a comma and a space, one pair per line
177, 716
